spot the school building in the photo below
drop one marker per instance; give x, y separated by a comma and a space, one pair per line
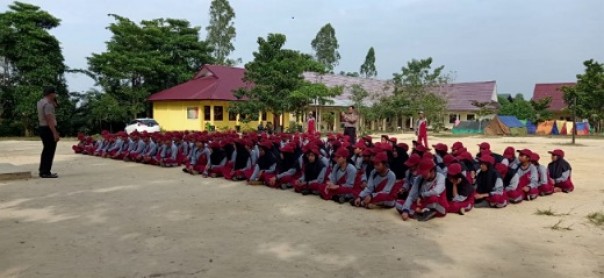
203, 102
459, 101
558, 106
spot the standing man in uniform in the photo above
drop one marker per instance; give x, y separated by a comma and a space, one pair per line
350, 124
421, 129
48, 131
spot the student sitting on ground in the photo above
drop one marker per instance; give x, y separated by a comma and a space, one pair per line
218, 159
287, 169
546, 186
427, 197
560, 172
489, 185
267, 163
169, 155
313, 173
341, 184
524, 185
198, 159
381, 190
460, 193
242, 163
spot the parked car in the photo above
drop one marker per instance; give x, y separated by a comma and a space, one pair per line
143, 124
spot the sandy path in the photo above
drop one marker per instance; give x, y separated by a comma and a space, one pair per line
106, 218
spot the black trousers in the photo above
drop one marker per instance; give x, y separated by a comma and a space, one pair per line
48, 152
352, 133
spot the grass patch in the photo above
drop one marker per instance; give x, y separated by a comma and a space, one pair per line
558, 227
597, 218
550, 212
547, 212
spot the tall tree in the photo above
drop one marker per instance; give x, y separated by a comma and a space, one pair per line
588, 93
418, 87
31, 58
368, 67
146, 58
221, 31
518, 107
279, 86
325, 45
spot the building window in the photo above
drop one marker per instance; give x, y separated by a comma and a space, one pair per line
218, 113
264, 116
207, 114
232, 116
453, 118
192, 113
471, 117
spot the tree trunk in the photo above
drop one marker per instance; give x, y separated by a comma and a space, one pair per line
277, 122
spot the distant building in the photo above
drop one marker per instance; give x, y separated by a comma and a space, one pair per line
205, 100
459, 98
554, 90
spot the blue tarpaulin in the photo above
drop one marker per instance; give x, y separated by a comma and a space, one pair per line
530, 127
510, 121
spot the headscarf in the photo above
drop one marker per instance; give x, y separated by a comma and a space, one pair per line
243, 155
556, 168
485, 181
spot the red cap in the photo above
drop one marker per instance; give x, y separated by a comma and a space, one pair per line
266, 145
392, 139
367, 152
313, 150
403, 146
288, 148
484, 146
215, 145
449, 159
413, 160
457, 146
428, 155
368, 138
440, 147
509, 152
425, 166
453, 169
381, 157
526, 152
342, 152
535, 157
557, 152
420, 148
360, 145
502, 169
383, 147
487, 159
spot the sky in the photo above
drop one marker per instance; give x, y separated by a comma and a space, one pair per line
516, 42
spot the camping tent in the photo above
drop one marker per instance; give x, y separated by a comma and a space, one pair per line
582, 128
505, 125
530, 127
470, 127
545, 128
561, 127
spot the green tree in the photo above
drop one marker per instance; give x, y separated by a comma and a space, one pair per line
540, 109
518, 107
359, 95
325, 45
588, 93
279, 86
349, 74
418, 87
31, 58
146, 58
368, 67
221, 31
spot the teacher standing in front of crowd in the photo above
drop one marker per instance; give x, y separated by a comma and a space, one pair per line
48, 131
350, 124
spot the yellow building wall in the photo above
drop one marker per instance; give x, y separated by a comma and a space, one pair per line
173, 116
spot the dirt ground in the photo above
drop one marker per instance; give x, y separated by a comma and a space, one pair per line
107, 218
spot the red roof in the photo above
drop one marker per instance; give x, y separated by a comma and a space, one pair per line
553, 90
212, 82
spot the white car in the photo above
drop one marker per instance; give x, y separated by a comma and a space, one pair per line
143, 124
